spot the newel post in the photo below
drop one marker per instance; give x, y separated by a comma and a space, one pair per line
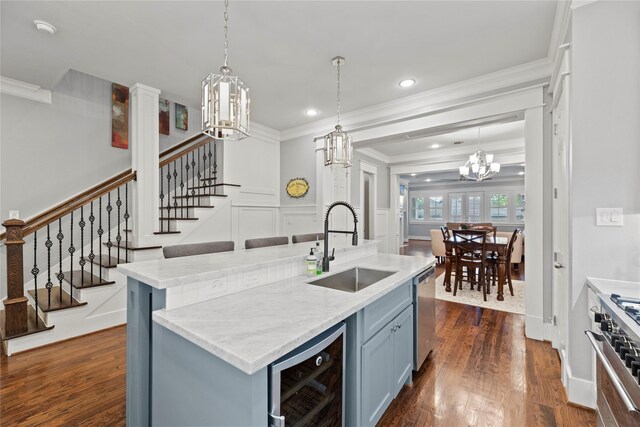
15, 305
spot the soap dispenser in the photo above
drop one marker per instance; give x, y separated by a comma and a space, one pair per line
311, 263
319, 255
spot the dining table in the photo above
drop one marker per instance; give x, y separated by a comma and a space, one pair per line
497, 245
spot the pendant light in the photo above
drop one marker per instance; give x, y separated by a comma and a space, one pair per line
225, 99
480, 166
338, 148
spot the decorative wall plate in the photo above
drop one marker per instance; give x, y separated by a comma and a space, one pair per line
297, 187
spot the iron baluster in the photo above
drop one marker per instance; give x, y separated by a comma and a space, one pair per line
199, 182
126, 221
100, 233
60, 236
168, 197
35, 270
48, 244
187, 167
161, 199
118, 236
109, 209
72, 249
175, 190
92, 256
193, 180
215, 168
83, 262
181, 188
204, 170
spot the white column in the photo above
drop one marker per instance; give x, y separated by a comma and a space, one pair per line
143, 106
534, 221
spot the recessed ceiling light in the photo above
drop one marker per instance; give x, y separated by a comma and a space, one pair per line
435, 145
311, 112
521, 173
427, 180
413, 174
44, 27
407, 83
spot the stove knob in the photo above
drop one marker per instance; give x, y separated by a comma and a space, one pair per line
624, 351
621, 342
615, 338
605, 326
630, 358
598, 317
635, 368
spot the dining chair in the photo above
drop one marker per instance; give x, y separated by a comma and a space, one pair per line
470, 249
311, 237
190, 249
493, 262
490, 229
264, 242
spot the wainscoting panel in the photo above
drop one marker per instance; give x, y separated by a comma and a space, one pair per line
299, 220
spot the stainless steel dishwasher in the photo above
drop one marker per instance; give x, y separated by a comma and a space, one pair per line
424, 315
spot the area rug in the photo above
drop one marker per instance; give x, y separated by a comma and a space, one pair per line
511, 304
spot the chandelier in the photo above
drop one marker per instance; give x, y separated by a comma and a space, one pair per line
225, 99
337, 144
480, 166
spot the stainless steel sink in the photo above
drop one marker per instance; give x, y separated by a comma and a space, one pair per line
352, 280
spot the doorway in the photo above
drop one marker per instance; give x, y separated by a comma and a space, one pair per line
368, 199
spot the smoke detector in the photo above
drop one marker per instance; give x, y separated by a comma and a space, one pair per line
44, 27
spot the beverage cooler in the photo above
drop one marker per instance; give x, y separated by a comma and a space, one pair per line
306, 386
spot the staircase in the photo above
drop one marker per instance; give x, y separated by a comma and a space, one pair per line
62, 281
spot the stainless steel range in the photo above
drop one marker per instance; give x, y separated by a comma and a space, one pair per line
617, 348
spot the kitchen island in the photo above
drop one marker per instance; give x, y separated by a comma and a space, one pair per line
205, 362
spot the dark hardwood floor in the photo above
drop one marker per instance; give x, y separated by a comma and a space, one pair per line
482, 372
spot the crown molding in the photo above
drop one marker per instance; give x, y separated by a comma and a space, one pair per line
24, 90
576, 4
425, 102
264, 132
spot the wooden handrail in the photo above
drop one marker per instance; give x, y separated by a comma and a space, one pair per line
75, 202
186, 151
182, 144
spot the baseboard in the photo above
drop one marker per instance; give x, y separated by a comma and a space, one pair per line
550, 333
580, 391
534, 328
419, 238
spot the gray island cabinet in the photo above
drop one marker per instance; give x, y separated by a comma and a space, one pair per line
207, 363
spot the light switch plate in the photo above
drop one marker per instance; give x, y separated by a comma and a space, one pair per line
609, 217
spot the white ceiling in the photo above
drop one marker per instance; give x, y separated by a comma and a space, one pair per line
472, 139
507, 173
281, 49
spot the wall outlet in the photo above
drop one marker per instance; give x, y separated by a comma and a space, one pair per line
609, 217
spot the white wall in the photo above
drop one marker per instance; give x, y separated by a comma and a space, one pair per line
605, 151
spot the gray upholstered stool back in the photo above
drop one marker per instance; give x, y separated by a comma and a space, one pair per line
266, 241
311, 237
196, 249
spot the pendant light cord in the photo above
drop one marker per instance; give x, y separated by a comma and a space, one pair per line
338, 91
226, 32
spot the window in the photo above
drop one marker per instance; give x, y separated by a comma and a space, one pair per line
456, 212
519, 206
436, 208
417, 208
499, 207
474, 207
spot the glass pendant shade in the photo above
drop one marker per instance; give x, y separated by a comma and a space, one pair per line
337, 148
225, 106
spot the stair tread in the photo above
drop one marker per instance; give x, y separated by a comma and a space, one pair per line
221, 184
200, 195
173, 208
176, 218
32, 328
167, 232
86, 280
128, 245
105, 261
43, 299
214, 185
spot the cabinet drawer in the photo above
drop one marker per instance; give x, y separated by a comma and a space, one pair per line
382, 311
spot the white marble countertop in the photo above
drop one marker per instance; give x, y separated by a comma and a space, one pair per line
605, 287
253, 328
166, 273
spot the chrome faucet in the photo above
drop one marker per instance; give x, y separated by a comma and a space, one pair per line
354, 240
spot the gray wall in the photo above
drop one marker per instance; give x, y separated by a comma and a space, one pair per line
52, 151
605, 152
297, 160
